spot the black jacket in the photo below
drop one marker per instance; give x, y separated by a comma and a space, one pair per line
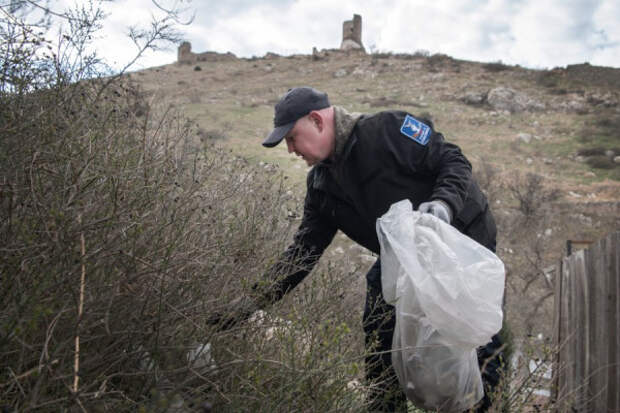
377, 166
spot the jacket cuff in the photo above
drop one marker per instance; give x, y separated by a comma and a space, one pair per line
447, 206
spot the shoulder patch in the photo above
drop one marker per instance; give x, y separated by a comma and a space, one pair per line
416, 130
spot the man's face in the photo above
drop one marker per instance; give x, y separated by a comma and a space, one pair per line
308, 140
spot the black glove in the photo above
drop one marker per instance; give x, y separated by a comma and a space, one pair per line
437, 208
238, 310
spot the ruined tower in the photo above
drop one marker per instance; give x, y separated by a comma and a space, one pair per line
352, 34
185, 54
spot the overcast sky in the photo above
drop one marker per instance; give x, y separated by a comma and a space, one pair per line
531, 33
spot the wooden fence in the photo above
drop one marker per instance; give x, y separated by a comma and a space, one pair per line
587, 331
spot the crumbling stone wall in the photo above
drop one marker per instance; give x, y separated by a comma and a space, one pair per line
352, 34
185, 55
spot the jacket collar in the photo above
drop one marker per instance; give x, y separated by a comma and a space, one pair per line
344, 123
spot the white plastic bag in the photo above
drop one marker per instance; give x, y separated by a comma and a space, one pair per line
447, 290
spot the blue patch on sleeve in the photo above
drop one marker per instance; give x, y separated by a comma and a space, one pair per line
416, 130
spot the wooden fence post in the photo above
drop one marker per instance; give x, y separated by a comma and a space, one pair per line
586, 331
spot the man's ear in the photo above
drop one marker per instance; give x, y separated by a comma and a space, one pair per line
316, 118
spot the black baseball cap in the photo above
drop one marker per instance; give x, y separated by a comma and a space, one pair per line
295, 104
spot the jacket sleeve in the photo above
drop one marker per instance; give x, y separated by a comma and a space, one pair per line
438, 161
314, 234
452, 170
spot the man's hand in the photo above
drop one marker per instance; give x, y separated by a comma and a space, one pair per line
437, 208
236, 311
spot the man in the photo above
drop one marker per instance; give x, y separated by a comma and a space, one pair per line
362, 164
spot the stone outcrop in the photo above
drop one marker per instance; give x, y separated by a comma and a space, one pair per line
185, 55
507, 99
503, 99
352, 34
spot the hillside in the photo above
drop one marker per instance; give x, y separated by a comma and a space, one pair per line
562, 125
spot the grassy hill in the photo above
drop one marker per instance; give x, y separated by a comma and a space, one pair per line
557, 155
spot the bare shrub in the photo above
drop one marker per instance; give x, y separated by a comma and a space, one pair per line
496, 67
531, 195
601, 162
596, 151
441, 62
172, 229
487, 177
120, 234
206, 135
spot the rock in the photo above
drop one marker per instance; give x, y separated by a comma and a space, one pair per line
525, 137
529, 161
582, 218
206, 407
617, 159
340, 73
349, 44
506, 99
609, 153
271, 55
607, 100
473, 98
358, 71
574, 106
316, 55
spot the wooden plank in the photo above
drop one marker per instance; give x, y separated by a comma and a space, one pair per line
565, 368
582, 331
597, 353
591, 357
570, 340
572, 362
557, 333
613, 299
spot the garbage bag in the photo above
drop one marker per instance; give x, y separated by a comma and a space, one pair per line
447, 291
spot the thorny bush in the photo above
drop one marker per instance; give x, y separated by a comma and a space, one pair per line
164, 231
120, 235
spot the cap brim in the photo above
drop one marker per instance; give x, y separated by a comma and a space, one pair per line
277, 135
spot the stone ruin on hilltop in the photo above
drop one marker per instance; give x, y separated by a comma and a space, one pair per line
351, 41
185, 55
352, 34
